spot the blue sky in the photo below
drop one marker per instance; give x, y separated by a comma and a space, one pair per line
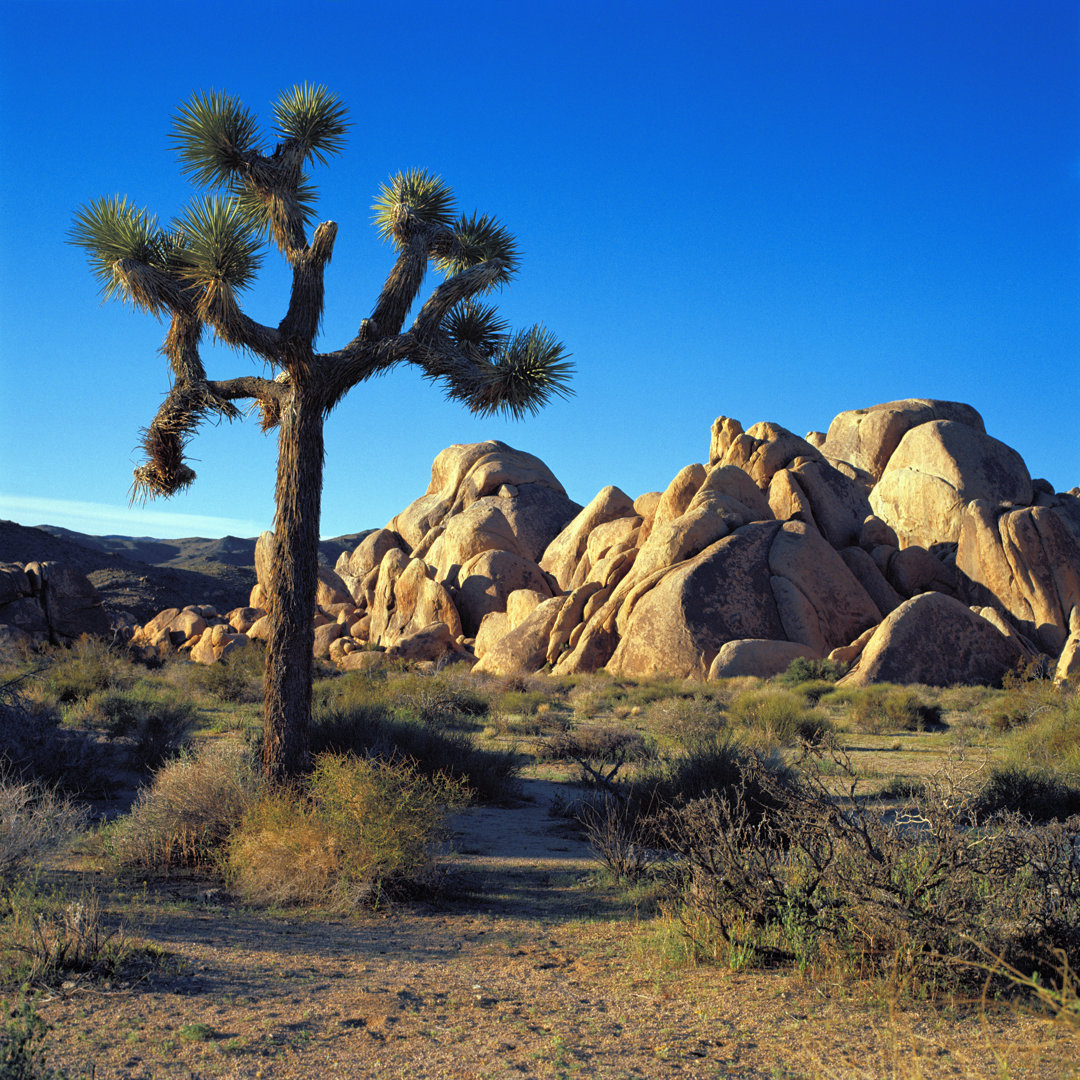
766, 209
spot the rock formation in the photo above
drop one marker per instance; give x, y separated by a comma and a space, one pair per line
905, 542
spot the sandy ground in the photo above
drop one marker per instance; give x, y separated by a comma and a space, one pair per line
524, 967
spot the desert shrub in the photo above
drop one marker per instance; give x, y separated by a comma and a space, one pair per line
237, 677
1034, 793
48, 938
34, 819
885, 707
448, 698
23, 1053
774, 715
595, 694
686, 719
814, 690
523, 702
87, 666
361, 828
33, 745
599, 750
184, 817
714, 765
921, 899
1051, 739
441, 699
803, 670
964, 699
618, 839
152, 720
374, 730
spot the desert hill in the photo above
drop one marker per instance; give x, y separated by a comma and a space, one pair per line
141, 575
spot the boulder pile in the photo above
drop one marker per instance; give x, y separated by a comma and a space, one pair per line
46, 602
905, 541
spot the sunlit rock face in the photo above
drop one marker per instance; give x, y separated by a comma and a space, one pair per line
906, 542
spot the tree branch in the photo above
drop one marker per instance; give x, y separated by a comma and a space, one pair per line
301, 321
454, 291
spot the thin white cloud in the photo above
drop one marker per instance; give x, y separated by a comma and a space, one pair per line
103, 519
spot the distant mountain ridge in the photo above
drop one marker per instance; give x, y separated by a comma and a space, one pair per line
142, 574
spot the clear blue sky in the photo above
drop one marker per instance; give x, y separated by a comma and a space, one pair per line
767, 209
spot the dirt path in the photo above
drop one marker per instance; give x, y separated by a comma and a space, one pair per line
526, 969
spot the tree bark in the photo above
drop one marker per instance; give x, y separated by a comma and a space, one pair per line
292, 588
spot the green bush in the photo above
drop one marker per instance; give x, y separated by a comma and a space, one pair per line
1051, 739
449, 698
361, 828
389, 734
152, 720
885, 707
22, 1043
89, 665
237, 677
1034, 793
773, 715
803, 670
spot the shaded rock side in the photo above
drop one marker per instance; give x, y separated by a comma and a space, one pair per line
1029, 561
562, 555
936, 640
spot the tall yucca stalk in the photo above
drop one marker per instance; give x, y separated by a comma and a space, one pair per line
194, 273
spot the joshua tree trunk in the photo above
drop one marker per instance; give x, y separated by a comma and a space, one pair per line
293, 585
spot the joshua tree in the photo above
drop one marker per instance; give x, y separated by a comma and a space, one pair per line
192, 273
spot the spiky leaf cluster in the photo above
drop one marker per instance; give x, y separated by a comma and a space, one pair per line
531, 369
214, 134
314, 118
219, 246
112, 230
482, 238
410, 198
476, 329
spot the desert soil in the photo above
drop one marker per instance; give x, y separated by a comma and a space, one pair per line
524, 967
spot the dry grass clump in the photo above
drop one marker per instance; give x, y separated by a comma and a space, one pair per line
686, 719
185, 816
359, 829
34, 820
48, 939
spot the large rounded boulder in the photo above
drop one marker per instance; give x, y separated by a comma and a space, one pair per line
936, 470
936, 640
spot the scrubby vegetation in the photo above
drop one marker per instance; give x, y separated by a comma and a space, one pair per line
913, 838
